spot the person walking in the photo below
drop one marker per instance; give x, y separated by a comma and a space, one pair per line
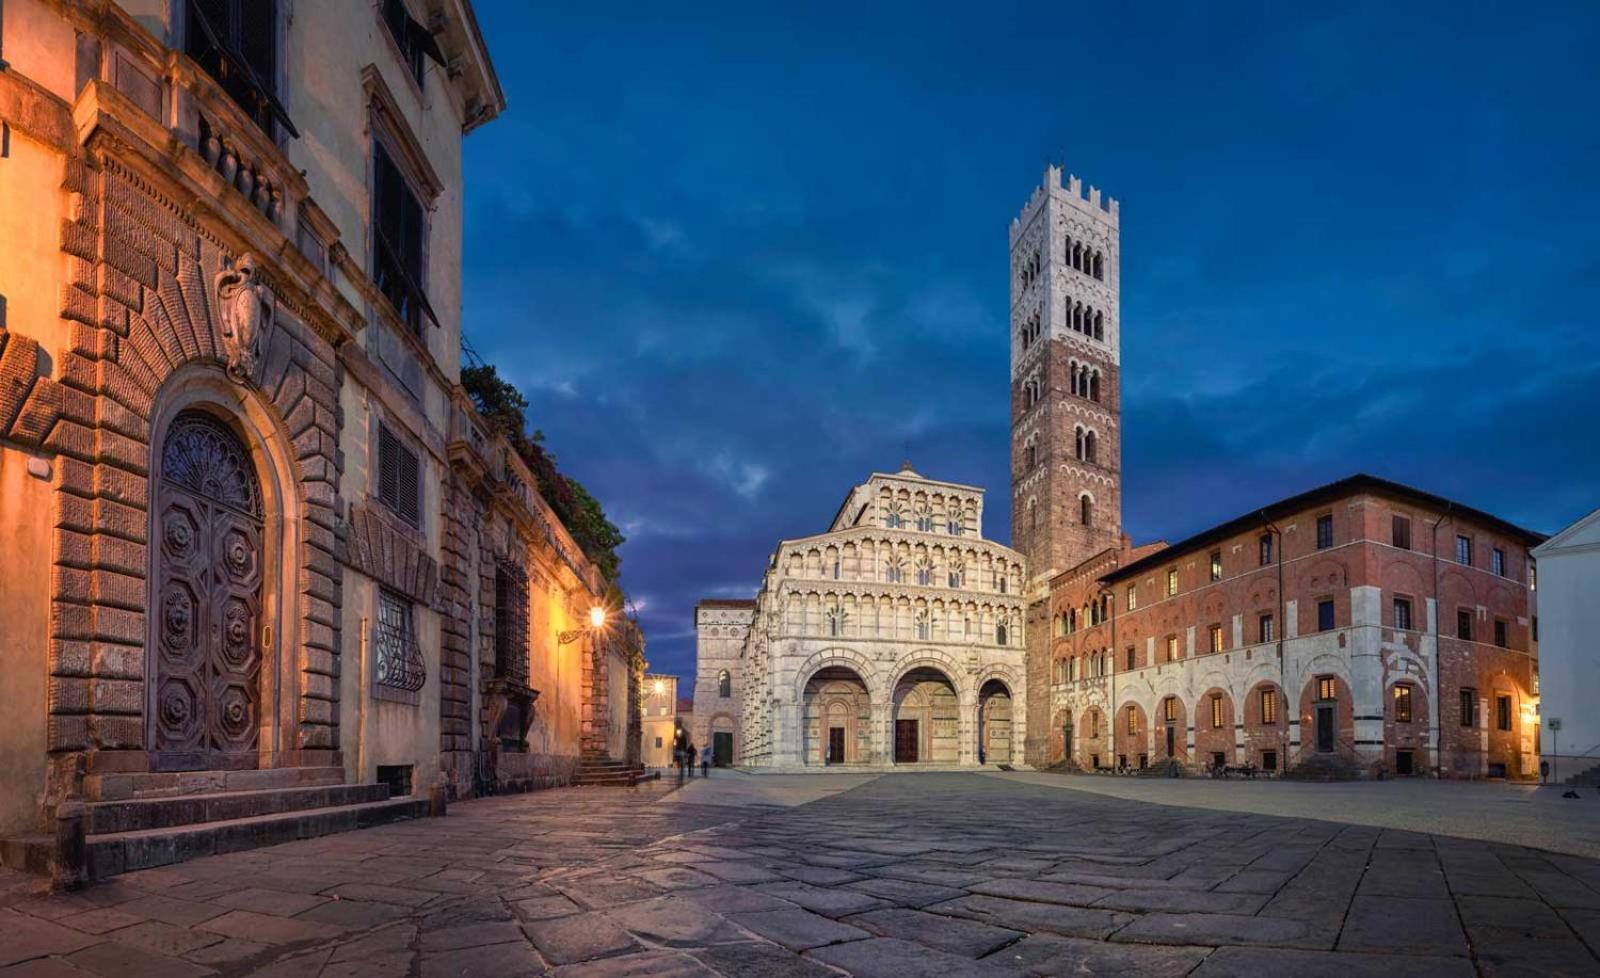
705, 762
689, 756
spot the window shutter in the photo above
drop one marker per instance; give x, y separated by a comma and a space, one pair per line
398, 476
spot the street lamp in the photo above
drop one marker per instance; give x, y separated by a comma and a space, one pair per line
597, 621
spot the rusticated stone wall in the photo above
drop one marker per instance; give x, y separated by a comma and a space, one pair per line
142, 306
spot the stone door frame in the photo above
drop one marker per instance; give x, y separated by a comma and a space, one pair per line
205, 387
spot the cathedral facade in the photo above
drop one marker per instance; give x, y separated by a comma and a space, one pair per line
895, 637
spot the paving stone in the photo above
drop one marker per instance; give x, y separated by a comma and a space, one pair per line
1214, 929
1255, 962
932, 873
1048, 954
887, 957
100, 921
1404, 873
650, 964
171, 910
267, 929
116, 960
1493, 920
1586, 923
567, 940
1265, 881
52, 968
599, 893
735, 899
824, 900
957, 935
799, 930
508, 960
545, 907
276, 902
1030, 917
353, 914
1537, 959
678, 878
1042, 891
23, 937
761, 961
225, 952
163, 938
377, 966
1399, 925
471, 935
397, 895
905, 892
737, 872
819, 875
1183, 901
384, 940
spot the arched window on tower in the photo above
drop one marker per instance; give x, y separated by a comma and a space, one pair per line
1086, 510
1000, 634
724, 684
1094, 386
1099, 325
1099, 266
1033, 513
1078, 435
1030, 453
1089, 447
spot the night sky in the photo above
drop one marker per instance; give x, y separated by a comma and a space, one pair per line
738, 258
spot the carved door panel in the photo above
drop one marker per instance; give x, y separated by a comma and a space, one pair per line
206, 690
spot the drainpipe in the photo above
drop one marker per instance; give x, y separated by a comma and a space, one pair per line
1113, 701
1435, 729
1279, 631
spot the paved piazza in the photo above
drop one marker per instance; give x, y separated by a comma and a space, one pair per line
789, 877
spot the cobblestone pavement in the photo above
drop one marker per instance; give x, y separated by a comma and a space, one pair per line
951, 875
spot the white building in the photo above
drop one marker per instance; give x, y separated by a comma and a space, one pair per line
893, 638
1569, 648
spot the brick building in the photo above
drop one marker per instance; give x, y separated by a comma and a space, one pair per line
1361, 627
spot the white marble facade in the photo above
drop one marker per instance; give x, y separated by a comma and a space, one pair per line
895, 637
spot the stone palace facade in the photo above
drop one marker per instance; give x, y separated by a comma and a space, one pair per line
893, 638
256, 536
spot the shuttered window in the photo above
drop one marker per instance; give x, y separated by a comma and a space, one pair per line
399, 478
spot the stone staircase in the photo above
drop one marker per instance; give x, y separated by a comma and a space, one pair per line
1326, 767
601, 770
139, 821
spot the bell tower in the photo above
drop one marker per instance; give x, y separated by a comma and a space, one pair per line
1066, 324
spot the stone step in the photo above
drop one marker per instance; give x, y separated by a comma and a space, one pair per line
125, 852
171, 784
156, 813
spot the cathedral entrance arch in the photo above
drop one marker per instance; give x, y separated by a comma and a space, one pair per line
837, 717
205, 695
927, 718
994, 723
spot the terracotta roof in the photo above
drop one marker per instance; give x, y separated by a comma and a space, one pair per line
1348, 486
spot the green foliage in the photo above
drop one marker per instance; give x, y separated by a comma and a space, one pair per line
503, 406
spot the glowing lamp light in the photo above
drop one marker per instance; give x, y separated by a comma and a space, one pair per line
597, 617
661, 688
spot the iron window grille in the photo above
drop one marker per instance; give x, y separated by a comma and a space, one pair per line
399, 480
510, 622
399, 660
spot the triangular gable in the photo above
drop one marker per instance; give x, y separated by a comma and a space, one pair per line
1584, 533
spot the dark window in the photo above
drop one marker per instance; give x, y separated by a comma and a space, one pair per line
1264, 629
1085, 510
1469, 707
1402, 613
399, 661
398, 243
398, 477
397, 777
1265, 546
1402, 703
235, 42
724, 684
1497, 562
999, 634
1464, 624
1535, 628
1402, 532
414, 41
1324, 531
1216, 565
1324, 616
1464, 551
1269, 760
510, 622
1500, 630
1502, 712
1132, 659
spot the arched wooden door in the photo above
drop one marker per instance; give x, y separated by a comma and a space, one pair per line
205, 698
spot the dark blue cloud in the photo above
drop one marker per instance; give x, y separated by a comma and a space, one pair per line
739, 257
